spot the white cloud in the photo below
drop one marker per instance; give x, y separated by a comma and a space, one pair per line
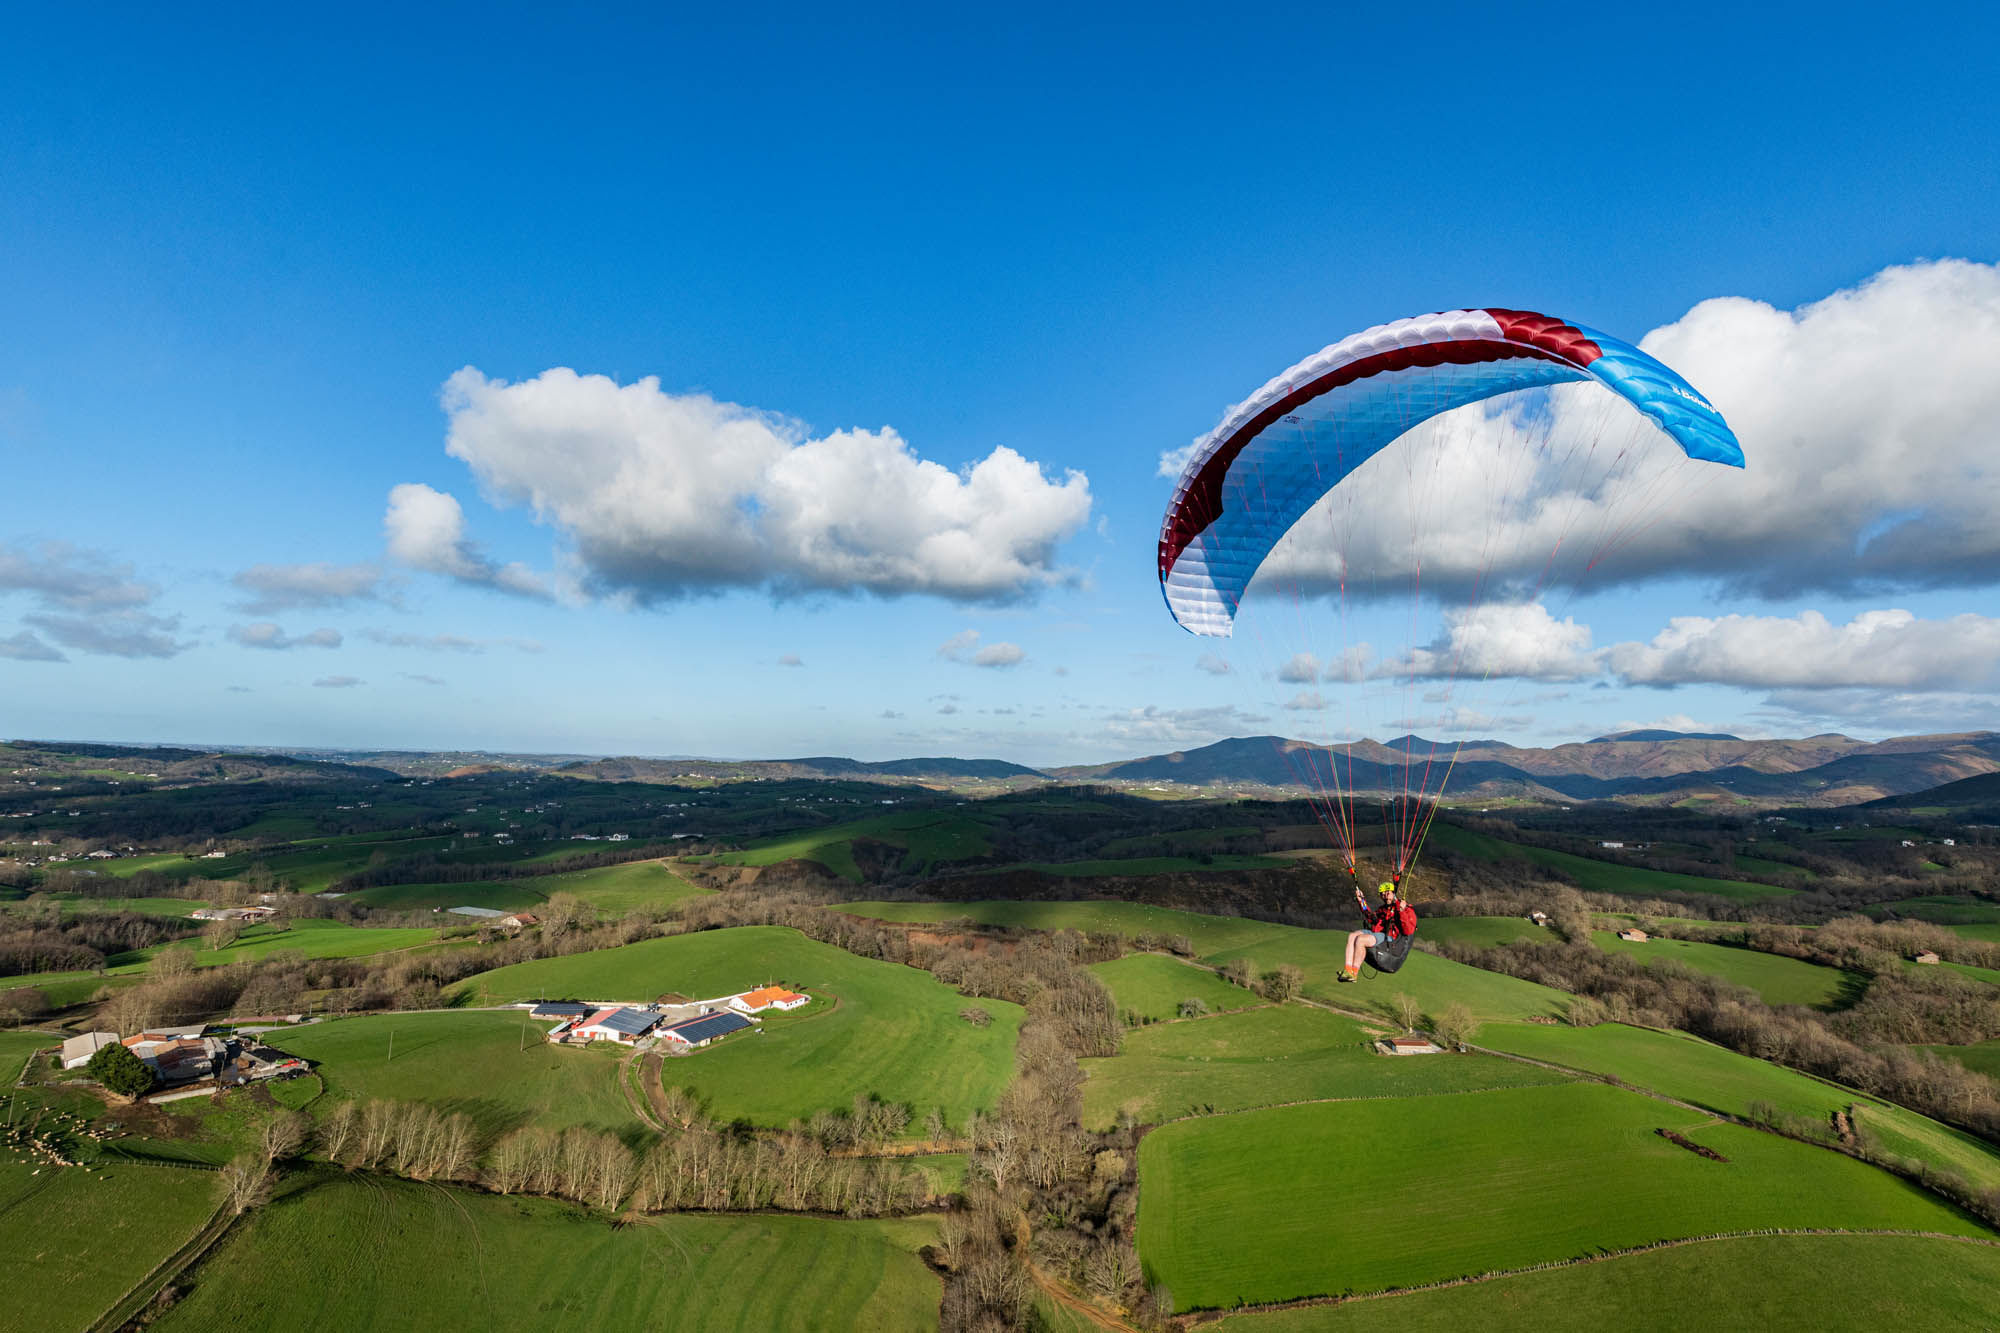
664, 495
70, 578
790, 660
1214, 664
1502, 639
964, 647
1889, 649
337, 682
447, 643
114, 633
1870, 421
1306, 701
276, 588
1178, 726
266, 634
25, 647
425, 529
1302, 669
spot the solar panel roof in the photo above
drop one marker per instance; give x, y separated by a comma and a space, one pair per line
628, 1021
711, 1025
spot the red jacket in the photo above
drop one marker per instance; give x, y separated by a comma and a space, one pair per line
1394, 919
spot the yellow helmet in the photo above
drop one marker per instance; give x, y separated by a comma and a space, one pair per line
1385, 888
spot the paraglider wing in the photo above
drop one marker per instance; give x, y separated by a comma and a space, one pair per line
1275, 454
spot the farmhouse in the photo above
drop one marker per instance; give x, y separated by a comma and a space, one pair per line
1926, 957
1410, 1045
620, 1025
176, 1057
1539, 918
768, 997
697, 1032
1634, 934
76, 1052
519, 921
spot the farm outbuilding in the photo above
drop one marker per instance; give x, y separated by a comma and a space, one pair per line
561, 1010
768, 997
621, 1025
1409, 1045
1636, 935
76, 1052
1927, 957
693, 1032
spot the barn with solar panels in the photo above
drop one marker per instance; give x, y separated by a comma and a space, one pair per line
692, 1033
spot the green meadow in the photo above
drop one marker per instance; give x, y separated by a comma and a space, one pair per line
1779, 980
496, 1067
1835, 1284
1480, 932
1318, 954
1153, 986
1357, 1196
927, 837
874, 1028
1980, 1057
1270, 1056
442, 1258
1598, 876
1689, 1069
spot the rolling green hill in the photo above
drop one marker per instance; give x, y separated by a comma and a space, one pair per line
1597, 876
1778, 979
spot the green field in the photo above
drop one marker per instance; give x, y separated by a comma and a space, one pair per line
1692, 1070
1836, 1284
1598, 876
1268, 1056
73, 1239
430, 1257
618, 889
495, 1066
1435, 982
875, 1027
506, 895
70, 903
1143, 865
1153, 986
1358, 1196
1980, 1057
1949, 909
927, 837
1778, 979
1480, 932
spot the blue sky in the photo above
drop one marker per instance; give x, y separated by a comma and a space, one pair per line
241, 258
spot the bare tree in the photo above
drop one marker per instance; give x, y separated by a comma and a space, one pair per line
246, 1183
283, 1135
1409, 1009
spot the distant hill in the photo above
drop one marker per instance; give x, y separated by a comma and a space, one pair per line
169, 765
1658, 735
1981, 793
818, 766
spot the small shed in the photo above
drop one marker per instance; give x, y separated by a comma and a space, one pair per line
1927, 957
561, 1010
1413, 1044
1636, 935
694, 1032
1539, 918
519, 921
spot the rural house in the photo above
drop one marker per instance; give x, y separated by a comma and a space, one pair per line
620, 1025
519, 921
768, 997
76, 1052
1634, 934
697, 1032
1927, 957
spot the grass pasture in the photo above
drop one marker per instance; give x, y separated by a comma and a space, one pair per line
441, 1258
1599, 876
493, 1066
1835, 1284
1435, 982
615, 890
875, 1027
513, 895
1778, 979
1677, 1065
927, 837
1269, 1056
1980, 1057
1153, 986
1480, 932
74, 1239
1276, 1204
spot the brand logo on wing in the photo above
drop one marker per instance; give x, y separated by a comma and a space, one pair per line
1693, 397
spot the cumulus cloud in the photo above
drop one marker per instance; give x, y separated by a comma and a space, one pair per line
1306, 701
1213, 663
1871, 424
89, 603
790, 660
1302, 669
267, 634
1502, 639
425, 529
276, 588
114, 633
25, 647
665, 495
337, 682
964, 647
1889, 649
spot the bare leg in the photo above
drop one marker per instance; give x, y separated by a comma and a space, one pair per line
1355, 949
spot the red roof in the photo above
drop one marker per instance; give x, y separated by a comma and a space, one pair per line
599, 1016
